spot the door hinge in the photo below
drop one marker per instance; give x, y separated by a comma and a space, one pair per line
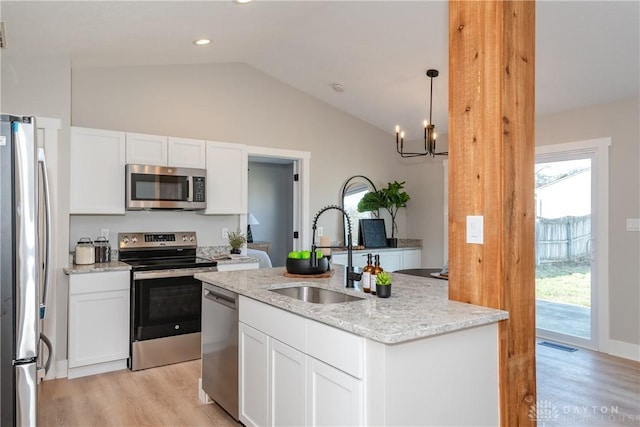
296, 177
295, 234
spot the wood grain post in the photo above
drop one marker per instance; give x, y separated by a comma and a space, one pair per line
491, 173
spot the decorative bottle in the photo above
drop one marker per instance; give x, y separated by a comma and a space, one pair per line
366, 275
374, 274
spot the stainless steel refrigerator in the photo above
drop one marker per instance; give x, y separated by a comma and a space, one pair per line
24, 269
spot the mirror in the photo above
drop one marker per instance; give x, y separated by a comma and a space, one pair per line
352, 191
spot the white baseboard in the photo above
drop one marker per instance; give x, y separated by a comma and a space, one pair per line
202, 395
624, 349
98, 368
61, 369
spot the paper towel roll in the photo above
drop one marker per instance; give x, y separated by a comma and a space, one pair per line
324, 241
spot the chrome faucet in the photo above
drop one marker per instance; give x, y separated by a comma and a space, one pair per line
352, 276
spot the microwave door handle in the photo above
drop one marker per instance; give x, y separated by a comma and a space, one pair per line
189, 185
47, 235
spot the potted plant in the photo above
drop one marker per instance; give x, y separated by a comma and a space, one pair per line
391, 199
383, 284
236, 240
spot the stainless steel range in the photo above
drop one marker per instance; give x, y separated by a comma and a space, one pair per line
166, 301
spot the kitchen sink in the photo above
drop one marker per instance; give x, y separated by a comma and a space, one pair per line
316, 295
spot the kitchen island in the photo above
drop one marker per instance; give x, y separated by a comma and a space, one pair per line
413, 359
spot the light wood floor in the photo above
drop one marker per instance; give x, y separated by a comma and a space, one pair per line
583, 388
164, 396
586, 388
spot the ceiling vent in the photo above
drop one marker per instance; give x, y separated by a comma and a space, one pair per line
3, 36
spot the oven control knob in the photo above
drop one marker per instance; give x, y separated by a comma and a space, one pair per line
134, 239
184, 238
125, 240
191, 238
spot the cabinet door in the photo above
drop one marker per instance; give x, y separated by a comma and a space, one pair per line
340, 259
412, 258
98, 327
97, 160
286, 385
187, 153
227, 170
146, 149
254, 371
391, 261
334, 398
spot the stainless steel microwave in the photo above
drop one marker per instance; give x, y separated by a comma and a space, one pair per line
161, 187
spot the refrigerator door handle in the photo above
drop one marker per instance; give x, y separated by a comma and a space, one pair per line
44, 370
47, 236
26, 241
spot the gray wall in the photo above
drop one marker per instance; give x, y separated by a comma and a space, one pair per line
620, 121
271, 201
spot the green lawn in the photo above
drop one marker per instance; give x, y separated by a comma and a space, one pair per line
564, 282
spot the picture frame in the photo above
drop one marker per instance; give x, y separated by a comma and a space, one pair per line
373, 233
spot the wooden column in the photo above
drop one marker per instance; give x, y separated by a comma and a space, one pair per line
491, 173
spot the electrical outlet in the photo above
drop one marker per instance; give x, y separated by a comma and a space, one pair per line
320, 231
104, 233
225, 233
633, 224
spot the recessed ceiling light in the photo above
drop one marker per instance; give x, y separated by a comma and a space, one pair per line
242, 1
201, 42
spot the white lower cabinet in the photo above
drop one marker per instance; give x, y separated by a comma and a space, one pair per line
390, 260
285, 386
334, 398
98, 322
254, 375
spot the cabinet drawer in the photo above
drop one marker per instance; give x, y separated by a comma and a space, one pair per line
98, 282
279, 324
338, 348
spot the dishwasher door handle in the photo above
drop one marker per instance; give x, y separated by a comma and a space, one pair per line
220, 299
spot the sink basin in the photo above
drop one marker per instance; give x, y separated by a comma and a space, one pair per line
316, 295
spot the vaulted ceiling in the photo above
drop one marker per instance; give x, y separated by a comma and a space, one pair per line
587, 52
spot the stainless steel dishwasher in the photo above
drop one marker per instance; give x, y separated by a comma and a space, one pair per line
220, 347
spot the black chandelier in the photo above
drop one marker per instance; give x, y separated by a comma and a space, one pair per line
429, 131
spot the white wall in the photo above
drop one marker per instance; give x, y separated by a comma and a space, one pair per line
238, 104
620, 121
425, 210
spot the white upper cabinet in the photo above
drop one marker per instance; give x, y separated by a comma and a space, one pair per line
227, 167
147, 149
165, 151
186, 153
97, 177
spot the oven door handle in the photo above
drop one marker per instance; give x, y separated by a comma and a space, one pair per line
143, 275
220, 299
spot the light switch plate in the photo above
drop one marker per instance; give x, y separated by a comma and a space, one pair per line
225, 233
633, 224
475, 229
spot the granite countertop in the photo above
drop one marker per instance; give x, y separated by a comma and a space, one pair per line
98, 267
372, 250
418, 307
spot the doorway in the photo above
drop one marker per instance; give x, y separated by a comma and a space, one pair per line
278, 198
571, 254
270, 202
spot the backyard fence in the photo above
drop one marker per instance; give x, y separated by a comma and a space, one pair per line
563, 239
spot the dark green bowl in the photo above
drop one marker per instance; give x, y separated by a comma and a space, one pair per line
303, 266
